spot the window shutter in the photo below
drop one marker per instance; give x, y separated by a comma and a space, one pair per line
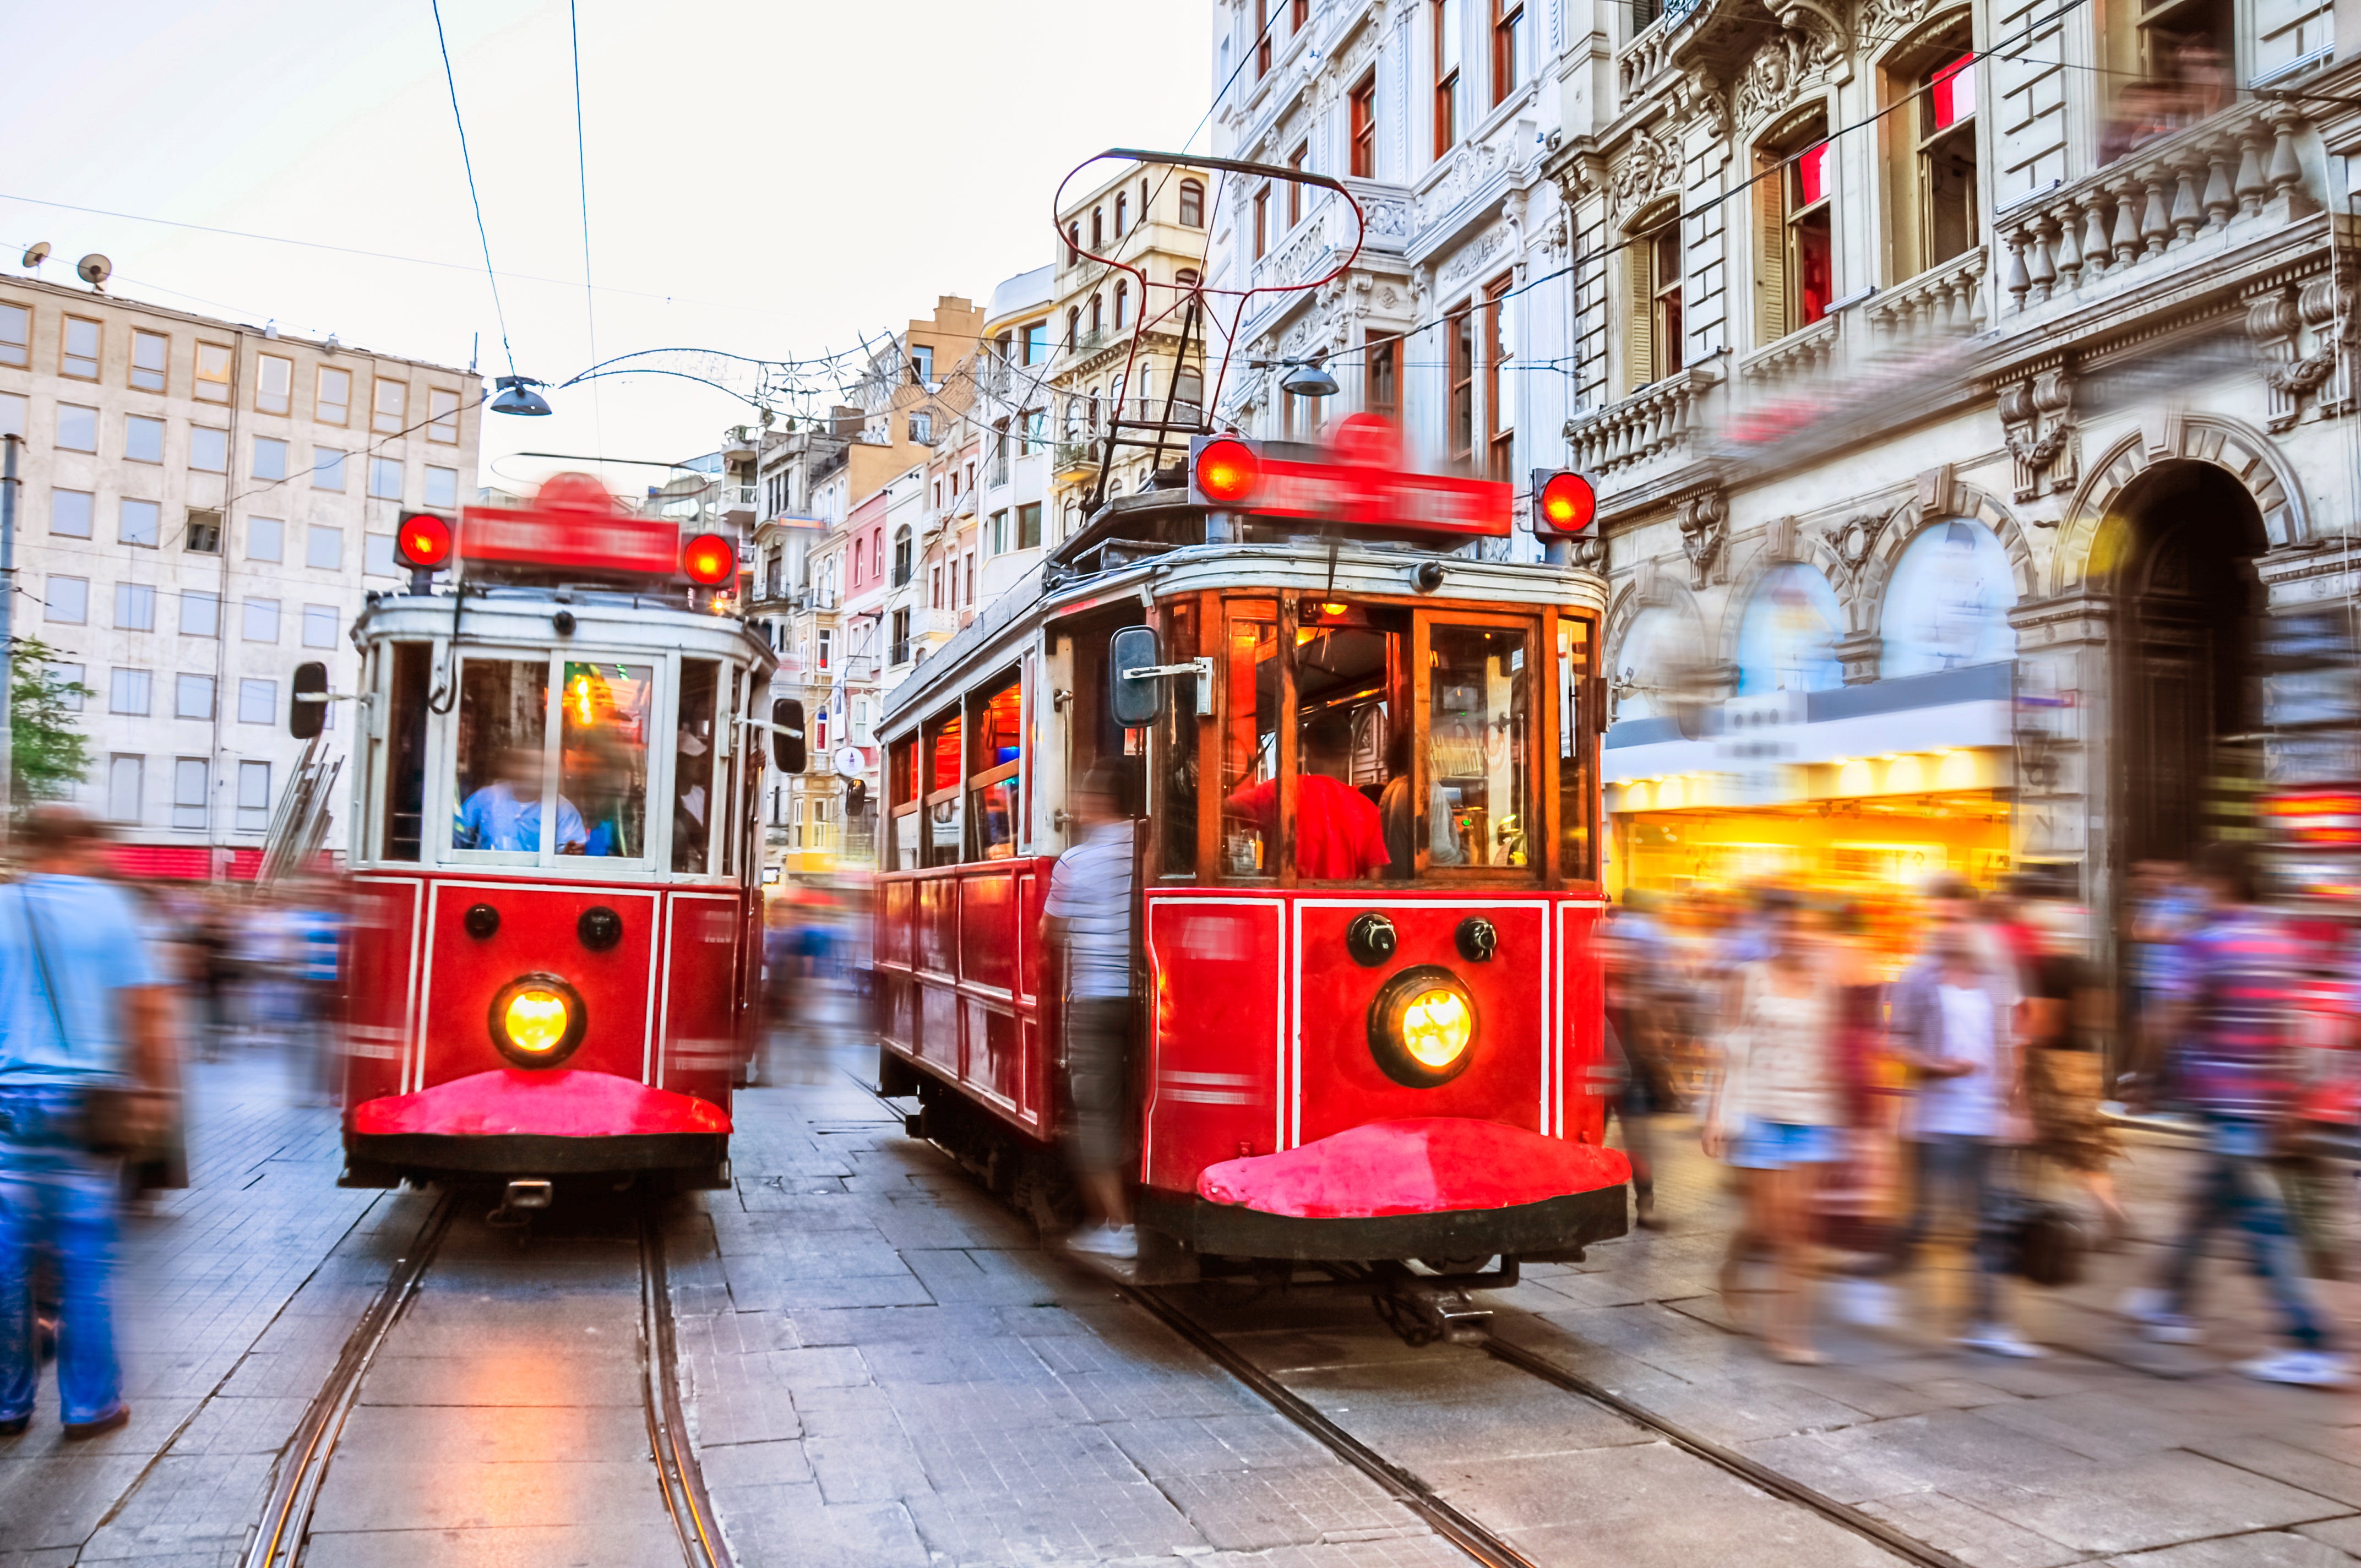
1639, 345
1770, 250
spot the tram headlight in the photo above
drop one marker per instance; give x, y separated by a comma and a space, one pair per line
1422, 1026
537, 1020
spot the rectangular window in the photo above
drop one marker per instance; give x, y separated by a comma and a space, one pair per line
1795, 254
1507, 47
212, 373
1250, 836
324, 547
274, 384
15, 409
692, 764
200, 613
192, 696
1382, 375
384, 479
134, 607
1459, 333
996, 532
442, 415
68, 603
191, 786
77, 428
203, 536
208, 449
1261, 222
443, 488
15, 334
1037, 343
1296, 160
1499, 379
129, 692
1450, 30
125, 785
63, 676
149, 351
1365, 129
606, 711
69, 512
253, 797
995, 761
257, 702
332, 397
500, 772
266, 539
260, 622
328, 469
270, 457
1946, 162
139, 523
320, 623
392, 408
377, 556
78, 349
1262, 39
143, 439
1028, 526
1477, 726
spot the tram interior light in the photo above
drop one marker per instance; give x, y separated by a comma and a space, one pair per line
1226, 472
708, 559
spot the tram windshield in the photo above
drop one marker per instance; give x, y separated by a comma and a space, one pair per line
603, 747
498, 790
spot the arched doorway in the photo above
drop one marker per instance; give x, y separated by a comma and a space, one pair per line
2186, 603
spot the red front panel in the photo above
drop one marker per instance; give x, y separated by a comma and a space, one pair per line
1582, 1113
537, 934
700, 1015
1217, 1033
959, 975
381, 966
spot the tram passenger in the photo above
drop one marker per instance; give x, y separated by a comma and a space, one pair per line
85, 1069
506, 813
1400, 823
1339, 833
1088, 918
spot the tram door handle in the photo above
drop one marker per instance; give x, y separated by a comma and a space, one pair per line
1201, 667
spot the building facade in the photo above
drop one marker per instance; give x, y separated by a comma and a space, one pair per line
201, 507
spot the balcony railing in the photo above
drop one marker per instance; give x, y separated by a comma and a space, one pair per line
901, 654
1657, 419
1946, 299
2128, 219
1068, 456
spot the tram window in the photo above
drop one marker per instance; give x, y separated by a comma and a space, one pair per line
902, 791
992, 766
1250, 740
733, 756
1174, 798
1477, 720
945, 777
409, 669
501, 773
603, 744
692, 764
1577, 850
1350, 661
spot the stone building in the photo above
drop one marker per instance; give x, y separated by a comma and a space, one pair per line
203, 506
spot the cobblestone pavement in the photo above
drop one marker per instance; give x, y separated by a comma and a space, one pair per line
885, 1368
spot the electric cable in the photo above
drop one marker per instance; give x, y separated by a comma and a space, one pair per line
582, 169
469, 163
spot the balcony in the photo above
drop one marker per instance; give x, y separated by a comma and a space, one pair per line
1074, 459
937, 622
900, 656
1659, 420
2157, 208
1947, 299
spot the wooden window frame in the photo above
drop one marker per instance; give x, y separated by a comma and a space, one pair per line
1459, 352
163, 371
1193, 194
1383, 347
25, 361
1296, 160
199, 381
1926, 150
1508, 19
1262, 221
1262, 39
260, 378
1778, 284
378, 384
1446, 84
982, 775
320, 375
97, 352
1364, 111
1122, 213
1500, 441
1540, 868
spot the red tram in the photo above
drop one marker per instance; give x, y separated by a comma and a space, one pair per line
539, 991
1344, 1055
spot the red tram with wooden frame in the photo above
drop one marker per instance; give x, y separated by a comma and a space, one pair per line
535, 992
1343, 1054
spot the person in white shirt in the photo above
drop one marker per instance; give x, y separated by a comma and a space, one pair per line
1088, 919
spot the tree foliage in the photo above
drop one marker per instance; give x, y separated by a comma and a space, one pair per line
49, 754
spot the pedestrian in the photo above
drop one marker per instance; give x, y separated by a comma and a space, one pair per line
1088, 919
2065, 1070
86, 1070
2231, 1011
1777, 1111
1955, 1024
2164, 909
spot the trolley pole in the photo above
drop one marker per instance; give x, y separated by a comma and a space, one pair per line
9, 448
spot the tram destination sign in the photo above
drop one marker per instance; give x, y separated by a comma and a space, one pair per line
574, 524
1249, 477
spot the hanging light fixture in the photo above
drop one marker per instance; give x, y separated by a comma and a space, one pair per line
517, 396
1309, 379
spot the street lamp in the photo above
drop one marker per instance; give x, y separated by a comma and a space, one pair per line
1309, 379
517, 396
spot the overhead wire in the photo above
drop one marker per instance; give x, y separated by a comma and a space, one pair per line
475, 199
582, 169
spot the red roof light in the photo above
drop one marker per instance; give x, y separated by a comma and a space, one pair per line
1227, 471
423, 540
709, 560
1568, 503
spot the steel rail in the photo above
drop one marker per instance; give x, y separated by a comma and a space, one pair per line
1480, 1544
678, 1471
303, 1462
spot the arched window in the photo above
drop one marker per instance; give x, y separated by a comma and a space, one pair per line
1193, 204
1658, 648
1122, 214
1073, 243
1122, 303
1185, 280
1788, 641
1098, 228
1946, 604
902, 556
1073, 326
1098, 316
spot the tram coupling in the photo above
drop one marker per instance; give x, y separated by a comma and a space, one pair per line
1432, 1309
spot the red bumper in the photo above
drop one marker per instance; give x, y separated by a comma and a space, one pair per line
519, 1122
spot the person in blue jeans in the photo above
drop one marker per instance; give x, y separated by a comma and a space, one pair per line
82, 1008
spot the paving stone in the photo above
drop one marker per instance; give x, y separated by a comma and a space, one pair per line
1173, 1446
753, 1464
2162, 1499
438, 1494
1881, 1459
2345, 1533
1047, 1458
1087, 1526
182, 1504
1461, 1409
1250, 1510
609, 1546
790, 1524
2302, 1467
1968, 1532
2266, 1550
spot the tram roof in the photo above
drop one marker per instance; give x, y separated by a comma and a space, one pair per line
605, 618
1300, 563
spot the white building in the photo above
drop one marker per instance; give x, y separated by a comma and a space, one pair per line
201, 507
1019, 344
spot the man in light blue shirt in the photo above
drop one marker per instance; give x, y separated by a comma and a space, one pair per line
82, 1008
506, 813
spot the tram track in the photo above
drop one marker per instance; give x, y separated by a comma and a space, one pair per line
1479, 1541
282, 1536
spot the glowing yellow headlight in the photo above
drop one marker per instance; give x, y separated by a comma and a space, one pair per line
1435, 1026
536, 1021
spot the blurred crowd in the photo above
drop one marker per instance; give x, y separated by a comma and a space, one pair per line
1882, 1079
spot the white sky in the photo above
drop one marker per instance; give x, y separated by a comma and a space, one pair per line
768, 178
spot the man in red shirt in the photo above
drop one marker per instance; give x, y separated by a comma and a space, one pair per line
1339, 833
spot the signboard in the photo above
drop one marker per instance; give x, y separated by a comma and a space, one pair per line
1339, 492
572, 522
850, 761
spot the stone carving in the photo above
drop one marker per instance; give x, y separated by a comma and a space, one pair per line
1811, 40
1649, 169
1704, 526
1854, 538
2275, 323
1470, 168
1590, 551
1820, 29
1472, 258
1705, 107
1883, 21
2025, 408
